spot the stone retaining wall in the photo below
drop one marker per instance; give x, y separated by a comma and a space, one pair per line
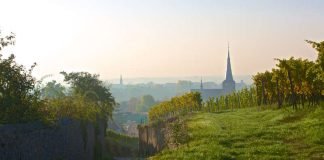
68, 140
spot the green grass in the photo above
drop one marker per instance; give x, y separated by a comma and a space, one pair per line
252, 134
119, 145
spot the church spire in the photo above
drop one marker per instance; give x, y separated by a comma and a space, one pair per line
121, 80
201, 84
229, 75
228, 83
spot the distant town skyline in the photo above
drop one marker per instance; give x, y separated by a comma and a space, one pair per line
160, 38
161, 80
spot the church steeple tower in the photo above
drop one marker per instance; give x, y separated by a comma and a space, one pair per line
229, 75
121, 80
201, 84
228, 83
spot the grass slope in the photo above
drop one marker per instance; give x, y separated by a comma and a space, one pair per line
252, 134
119, 145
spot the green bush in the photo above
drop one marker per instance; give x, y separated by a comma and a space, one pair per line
177, 105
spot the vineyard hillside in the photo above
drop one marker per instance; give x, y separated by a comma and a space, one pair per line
251, 133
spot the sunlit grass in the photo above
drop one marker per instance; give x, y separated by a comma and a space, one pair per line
253, 134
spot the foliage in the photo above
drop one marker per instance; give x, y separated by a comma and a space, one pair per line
18, 98
145, 103
21, 100
252, 134
91, 89
189, 102
75, 107
239, 99
52, 90
176, 133
320, 49
119, 145
7, 40
294, 81
128, 106
88, 99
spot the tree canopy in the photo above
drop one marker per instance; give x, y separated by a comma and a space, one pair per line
145, 103
53, 90
89, 87
293, 81
18, 98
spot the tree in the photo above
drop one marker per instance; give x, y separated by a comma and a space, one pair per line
186, 103
91, 88
315, 79
279, 79
287, 67
53, 90
320, 49
18, 98
146, 102
293, 82
132, 103
7, 40
316, 74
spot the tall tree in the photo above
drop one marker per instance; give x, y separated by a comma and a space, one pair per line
18, 98
91, 88
53, 90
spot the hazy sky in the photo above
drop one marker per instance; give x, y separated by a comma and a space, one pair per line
159, 38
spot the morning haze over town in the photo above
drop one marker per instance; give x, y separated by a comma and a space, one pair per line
161, 79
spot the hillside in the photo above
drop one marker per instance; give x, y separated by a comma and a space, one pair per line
252, 134
121, 146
